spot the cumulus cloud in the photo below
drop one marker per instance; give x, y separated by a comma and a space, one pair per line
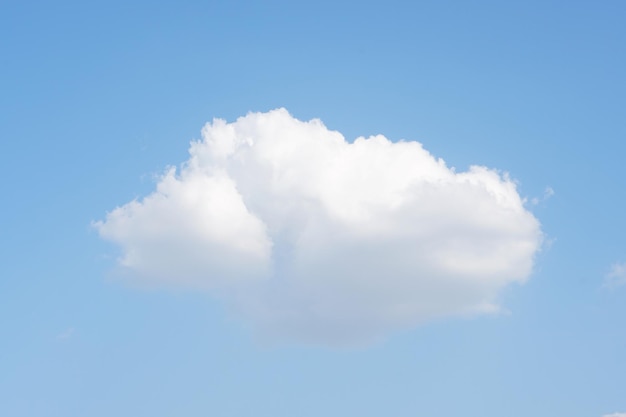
311, 237
616, 276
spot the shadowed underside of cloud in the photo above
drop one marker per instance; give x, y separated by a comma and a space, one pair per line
311, 237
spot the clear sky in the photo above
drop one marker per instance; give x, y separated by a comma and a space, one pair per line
397, 286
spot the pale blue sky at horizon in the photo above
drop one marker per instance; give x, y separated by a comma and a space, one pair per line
98, 100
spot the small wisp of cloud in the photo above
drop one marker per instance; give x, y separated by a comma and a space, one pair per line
547, 193
66, 334
616, 276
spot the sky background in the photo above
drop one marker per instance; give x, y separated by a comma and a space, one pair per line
96, 99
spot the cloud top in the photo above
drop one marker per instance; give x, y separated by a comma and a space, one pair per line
312, 237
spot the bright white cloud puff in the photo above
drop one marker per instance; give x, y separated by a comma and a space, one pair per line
311, 237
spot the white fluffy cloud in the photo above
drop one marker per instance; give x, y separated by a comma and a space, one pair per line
315, 238
615, 415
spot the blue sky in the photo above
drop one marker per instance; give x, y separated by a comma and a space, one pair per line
98, 99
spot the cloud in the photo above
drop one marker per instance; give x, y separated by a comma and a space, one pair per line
616, 276
615, 415
311, 237
547, 193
